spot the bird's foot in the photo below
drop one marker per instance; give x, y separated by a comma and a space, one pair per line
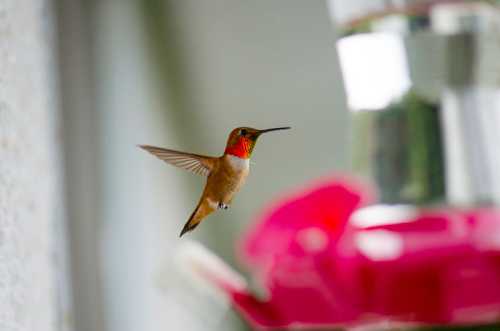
222, 205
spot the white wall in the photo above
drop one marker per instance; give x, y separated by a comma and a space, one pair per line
30, 195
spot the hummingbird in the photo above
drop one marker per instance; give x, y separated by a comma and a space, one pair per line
225, 174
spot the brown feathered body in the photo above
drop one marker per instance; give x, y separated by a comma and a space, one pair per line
225, 174
227, 177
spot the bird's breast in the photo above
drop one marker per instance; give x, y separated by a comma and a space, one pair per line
228, 178
238, 164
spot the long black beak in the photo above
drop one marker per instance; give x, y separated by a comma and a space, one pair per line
274, 129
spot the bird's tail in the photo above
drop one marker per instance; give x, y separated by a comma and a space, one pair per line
199, 213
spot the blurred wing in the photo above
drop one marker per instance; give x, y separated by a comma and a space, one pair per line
198, 164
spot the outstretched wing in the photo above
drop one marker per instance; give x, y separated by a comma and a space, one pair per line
198, 164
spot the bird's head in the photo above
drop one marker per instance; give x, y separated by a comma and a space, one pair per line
242, 140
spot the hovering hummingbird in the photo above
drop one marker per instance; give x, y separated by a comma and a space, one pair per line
225, 174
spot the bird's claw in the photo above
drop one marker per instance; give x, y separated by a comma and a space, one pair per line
222, 205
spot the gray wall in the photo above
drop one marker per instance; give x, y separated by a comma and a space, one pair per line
182, 74
262, 64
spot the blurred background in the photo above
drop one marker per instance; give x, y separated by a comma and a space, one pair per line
181, 75
89, 223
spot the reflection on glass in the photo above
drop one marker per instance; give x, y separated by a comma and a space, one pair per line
374, 68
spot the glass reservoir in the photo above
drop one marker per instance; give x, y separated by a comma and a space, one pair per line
421, 82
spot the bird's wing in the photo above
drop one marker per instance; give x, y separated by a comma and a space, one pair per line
198, 164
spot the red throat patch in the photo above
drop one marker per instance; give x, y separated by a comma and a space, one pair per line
241, 148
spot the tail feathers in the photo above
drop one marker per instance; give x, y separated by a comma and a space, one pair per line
201, 211
193, 220
190, 224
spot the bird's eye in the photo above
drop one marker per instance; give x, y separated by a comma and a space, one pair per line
243, 132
